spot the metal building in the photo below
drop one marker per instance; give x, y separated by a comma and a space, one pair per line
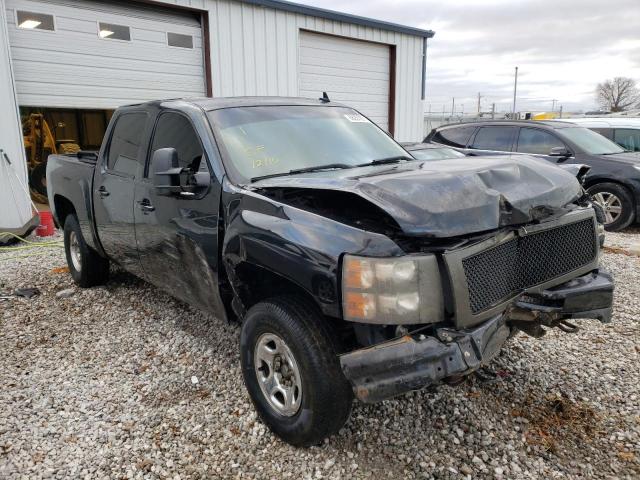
71, 62
94, 54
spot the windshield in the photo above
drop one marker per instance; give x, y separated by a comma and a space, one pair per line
435, 154
589, 141
270, 140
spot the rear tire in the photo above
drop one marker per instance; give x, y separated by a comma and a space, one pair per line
86, 266
617, 204
298, 329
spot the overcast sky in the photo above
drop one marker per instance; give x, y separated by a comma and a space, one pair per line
562, 47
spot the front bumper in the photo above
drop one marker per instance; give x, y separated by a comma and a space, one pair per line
415, 361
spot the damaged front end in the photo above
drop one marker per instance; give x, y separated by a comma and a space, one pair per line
416, 360
540, 276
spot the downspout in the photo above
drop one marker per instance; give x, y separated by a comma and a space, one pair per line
424, 68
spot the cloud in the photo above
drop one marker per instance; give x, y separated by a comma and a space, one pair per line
563, 47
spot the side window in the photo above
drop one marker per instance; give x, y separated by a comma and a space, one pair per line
494, 138
123, 155
628, 138
455, 137
534, 140
175, 131
605, 132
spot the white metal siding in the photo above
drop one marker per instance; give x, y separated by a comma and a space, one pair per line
73, 67
353, 72
254, 51
14, 198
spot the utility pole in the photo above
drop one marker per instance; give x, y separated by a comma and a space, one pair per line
493, 111
453, 105
479, 97
515, 90
553, 105
560, 111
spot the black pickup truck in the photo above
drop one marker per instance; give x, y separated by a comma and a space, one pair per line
353, 268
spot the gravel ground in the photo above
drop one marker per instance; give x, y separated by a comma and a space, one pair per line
123, 381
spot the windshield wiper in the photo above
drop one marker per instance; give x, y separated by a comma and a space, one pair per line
303, 170
385, 161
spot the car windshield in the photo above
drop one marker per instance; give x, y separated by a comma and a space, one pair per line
589, 141
436, 154
273, 140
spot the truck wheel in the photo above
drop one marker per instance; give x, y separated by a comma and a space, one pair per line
87, 268
292, 372
617, 204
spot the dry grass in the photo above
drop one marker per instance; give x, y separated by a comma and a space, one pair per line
619, 251
557, 420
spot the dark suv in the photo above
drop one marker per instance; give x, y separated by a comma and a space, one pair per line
614, 178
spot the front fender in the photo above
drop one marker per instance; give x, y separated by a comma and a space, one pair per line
300, 246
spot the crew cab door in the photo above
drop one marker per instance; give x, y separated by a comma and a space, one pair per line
177, 235
120, 162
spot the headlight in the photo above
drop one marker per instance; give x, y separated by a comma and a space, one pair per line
397, 290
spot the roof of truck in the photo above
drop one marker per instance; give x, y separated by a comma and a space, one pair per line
228, 102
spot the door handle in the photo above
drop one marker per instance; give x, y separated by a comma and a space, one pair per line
103, 192
145, 205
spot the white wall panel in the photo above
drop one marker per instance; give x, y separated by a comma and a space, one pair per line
73, 67
255, 52
14, 196
353, 72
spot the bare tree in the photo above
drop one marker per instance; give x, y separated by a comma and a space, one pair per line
618, 95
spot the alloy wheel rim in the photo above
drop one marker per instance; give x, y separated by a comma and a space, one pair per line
611, 205
278, 374
74, 250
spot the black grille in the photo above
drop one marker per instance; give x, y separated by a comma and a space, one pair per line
498, 273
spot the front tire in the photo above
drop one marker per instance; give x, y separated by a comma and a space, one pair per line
617, 204
292, 372
87, 268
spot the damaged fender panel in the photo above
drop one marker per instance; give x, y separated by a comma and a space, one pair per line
300, 246
411, 363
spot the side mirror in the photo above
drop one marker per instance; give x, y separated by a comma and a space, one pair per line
166, 171
170, 178
561, 152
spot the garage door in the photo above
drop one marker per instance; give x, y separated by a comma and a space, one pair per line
93, 54
353, 72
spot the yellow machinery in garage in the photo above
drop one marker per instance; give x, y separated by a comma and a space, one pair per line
39, 143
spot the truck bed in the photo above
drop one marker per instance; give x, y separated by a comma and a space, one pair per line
69, 182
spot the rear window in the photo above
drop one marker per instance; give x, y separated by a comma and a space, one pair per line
494, 138
124, 149
454, 137
605, 132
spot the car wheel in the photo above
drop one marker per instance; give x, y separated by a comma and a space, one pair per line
292, 372
617, 204
86, 266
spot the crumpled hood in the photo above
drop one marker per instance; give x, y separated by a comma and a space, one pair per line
451, 197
